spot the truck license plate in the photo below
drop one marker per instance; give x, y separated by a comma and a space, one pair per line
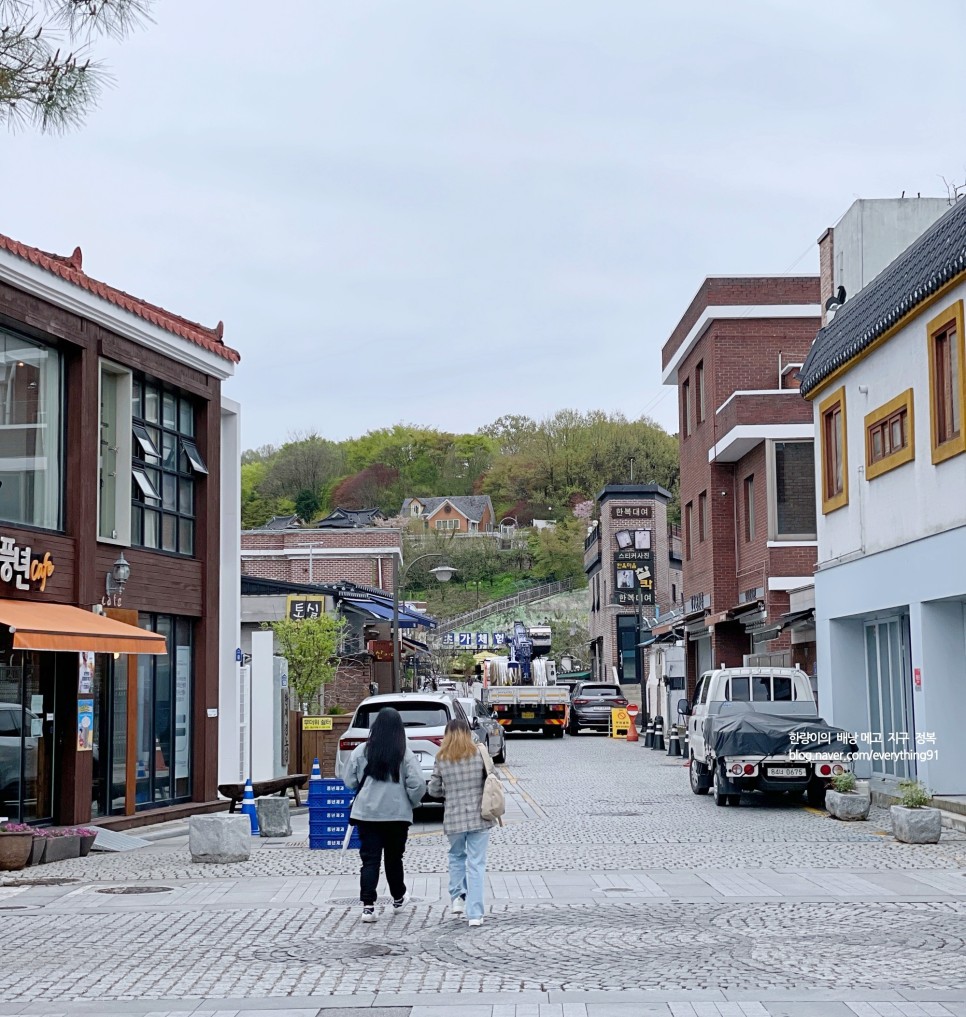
787, 771
527, 715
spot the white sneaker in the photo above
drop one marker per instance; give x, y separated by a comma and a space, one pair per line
459, 906
368, 914
475, 922
401, 903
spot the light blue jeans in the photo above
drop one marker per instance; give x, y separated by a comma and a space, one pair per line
467, 866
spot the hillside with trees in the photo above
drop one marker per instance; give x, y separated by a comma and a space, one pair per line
531, 469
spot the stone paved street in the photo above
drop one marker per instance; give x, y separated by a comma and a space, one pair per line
612, 890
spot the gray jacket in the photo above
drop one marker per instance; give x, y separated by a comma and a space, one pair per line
384, 801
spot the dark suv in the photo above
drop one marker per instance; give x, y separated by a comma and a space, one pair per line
591, 703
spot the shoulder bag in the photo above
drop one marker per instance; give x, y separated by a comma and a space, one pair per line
493, 804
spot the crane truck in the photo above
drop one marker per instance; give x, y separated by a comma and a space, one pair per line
521, 689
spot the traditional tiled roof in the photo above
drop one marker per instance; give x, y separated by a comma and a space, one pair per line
471, 505
282, 523
937, 257
69, 269
348, 519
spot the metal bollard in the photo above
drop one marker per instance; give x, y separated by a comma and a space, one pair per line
658, 742
674, 741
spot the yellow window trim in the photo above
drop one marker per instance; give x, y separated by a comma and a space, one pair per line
952, 315
904, 455
905, 320
841, 499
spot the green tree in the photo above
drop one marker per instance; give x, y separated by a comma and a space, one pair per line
307, 505
311, 647
48, 77
306, 463
558, 551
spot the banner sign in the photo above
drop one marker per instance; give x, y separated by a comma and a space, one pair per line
316, 723
300, 605
633, 577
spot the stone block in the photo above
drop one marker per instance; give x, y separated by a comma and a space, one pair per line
274, 816
848, 807
217, 839
916, 826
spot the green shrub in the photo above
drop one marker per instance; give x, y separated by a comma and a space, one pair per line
844, 782
336, 711
913, 794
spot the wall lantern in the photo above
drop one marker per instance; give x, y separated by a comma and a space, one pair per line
116, 581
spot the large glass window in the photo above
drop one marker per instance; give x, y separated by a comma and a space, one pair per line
794, 466
31, 422
164, 714
166, 464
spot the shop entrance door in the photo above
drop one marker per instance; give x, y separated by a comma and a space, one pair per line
27, 737
890, 697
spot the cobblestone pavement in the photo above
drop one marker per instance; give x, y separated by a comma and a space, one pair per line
612, 890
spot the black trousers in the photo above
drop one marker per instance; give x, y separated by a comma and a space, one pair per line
381, 843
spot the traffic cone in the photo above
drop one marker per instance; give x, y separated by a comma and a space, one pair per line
632, 731
674, 742
658, 743
649, 735
248, 807
316, 770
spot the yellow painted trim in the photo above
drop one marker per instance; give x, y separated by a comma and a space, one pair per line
904, 455
842, 498
886, 336
952, 315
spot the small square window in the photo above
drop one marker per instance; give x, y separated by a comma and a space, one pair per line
194, 456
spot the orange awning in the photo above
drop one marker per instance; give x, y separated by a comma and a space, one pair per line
37, 626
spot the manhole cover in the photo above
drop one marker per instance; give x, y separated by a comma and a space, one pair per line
135, 889
51, 881
383, 901
326, 953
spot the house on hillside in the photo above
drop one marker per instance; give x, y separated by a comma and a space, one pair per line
459, 514
885, 380
283, 523
350, 519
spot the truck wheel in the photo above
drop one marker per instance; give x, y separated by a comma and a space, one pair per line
574, 728
698, 774
815, 795
720, 798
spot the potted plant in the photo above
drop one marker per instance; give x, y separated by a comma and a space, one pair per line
62, 843
15, 842
843, 800
87, 837
39, 846
912, 821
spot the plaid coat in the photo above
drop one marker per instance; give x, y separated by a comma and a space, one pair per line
461, 785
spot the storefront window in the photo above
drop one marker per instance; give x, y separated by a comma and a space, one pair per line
164, 714
31, 397
26, 736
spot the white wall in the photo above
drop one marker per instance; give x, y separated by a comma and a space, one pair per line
263, 706
915, 499
229, 597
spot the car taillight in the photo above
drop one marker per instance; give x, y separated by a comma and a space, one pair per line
348, 744
837, 769
581, 702
736, 768
749, 769
435, 739
825, 770
621, 702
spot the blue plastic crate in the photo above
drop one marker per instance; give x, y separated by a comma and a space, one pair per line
328, 829
320, 815
326, 843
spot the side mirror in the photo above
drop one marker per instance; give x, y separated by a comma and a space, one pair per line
684, 707
475, 723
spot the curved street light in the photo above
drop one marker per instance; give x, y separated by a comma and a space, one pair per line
443, 574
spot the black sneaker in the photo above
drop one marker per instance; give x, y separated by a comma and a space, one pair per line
402, 902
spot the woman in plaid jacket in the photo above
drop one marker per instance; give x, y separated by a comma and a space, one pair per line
458, 777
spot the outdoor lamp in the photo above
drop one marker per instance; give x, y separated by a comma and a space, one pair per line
117, 579
443, 573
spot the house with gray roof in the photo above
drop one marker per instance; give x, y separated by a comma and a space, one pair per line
886, 381
456, 514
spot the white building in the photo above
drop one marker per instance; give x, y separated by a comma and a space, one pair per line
886, 380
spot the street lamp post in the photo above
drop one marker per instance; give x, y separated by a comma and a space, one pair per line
443, 574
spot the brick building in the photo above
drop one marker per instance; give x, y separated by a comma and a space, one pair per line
366, 556
747, 464
630, 550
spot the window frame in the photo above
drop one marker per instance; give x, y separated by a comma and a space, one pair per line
771, 488
904, 402
702, 517
748, 501
699, 391
123, 470
833, 500
952, 316
686, 406
688, 526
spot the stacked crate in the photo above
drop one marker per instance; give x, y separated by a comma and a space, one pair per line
330, 802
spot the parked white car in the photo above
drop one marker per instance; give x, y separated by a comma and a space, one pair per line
424, 716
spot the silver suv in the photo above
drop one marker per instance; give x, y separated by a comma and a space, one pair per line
424, 716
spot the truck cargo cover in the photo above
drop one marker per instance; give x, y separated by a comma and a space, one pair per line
765, 734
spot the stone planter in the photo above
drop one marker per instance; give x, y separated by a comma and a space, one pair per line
37, 850
86, 843
59, 849
847, 806
916, 826
14, 850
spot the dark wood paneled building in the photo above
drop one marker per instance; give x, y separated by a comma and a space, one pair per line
113, 628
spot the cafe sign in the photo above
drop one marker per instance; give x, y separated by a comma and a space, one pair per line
20, 566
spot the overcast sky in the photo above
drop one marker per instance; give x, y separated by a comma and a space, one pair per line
441, 211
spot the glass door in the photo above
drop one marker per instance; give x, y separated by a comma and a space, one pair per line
110, 735
890, 698
27, 737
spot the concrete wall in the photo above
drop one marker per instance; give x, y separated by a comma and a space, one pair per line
229, 581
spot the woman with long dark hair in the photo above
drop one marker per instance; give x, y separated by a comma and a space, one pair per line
384, 773
458, 777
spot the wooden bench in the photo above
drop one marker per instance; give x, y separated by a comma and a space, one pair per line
280, 786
